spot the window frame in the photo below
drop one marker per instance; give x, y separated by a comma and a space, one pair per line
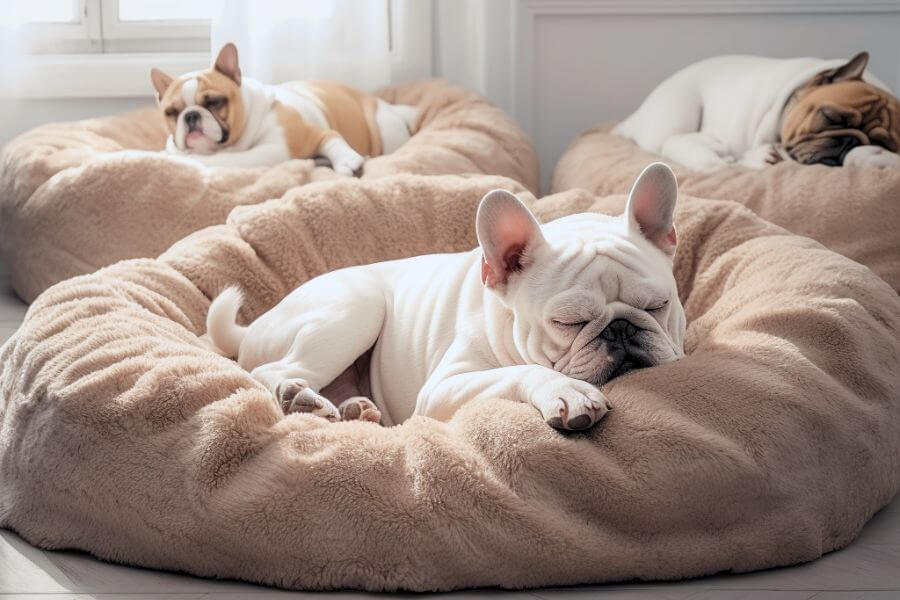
100, 31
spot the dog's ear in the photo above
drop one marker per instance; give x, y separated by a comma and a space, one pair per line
508, 234
161, 82
651, 206
853, 69
227, 63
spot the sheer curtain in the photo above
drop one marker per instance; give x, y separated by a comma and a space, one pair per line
345, 40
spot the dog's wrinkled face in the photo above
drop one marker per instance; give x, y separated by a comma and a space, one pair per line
204, 110
592, 296
835, 112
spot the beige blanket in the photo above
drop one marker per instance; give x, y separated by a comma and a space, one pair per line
71, 200
853, 211
773, 441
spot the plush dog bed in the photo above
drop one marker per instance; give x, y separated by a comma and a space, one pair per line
770, 443
854, 211
71, 200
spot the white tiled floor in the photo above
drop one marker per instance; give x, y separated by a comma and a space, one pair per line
867, 570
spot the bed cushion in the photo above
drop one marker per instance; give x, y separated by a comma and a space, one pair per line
770, 443
78, 196
854, 211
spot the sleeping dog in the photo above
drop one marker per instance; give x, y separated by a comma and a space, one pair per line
758, 111
223, 119
540, 314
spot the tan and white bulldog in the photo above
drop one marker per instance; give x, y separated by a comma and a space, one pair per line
756, 111
222, 119
542, 314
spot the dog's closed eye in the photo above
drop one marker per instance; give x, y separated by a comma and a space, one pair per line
214, 102
568, 323
658, 306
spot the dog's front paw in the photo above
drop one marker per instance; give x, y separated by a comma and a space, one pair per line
359, 408
348, 164
871, 156
570, 403
295, 396
761, 156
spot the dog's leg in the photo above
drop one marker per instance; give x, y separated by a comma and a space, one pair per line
872, 156
697, 151
564, 402
761, 156
344, 159
316, 333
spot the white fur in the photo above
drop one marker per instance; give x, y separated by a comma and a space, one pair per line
721, 110
394, 121
441, 338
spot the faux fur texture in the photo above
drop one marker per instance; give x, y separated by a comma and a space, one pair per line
854, 211
72, 201
770, 443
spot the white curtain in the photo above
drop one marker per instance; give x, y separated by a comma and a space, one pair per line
354, 41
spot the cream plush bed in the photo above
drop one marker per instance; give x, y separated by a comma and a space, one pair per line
770, 443
853, 211
78, 196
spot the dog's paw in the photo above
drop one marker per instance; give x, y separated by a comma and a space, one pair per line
359, 408
348, 164
295, 396
761, 156
571, 404
871, 156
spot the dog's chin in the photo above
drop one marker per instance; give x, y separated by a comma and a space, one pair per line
199, 143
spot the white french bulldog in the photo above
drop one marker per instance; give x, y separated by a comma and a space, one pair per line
540, 314
731, 109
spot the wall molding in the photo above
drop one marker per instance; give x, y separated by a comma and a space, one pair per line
706, 7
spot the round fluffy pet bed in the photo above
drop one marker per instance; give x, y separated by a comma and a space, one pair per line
78, 196
854, 211
770, 443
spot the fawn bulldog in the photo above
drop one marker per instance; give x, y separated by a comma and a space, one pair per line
758, 111
542, 314
222, 119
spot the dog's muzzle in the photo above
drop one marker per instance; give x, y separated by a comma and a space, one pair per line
621, 343
825, 149
619, 348
192, 120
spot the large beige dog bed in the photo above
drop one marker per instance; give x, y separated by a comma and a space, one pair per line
71, 200
853, 211
770, 443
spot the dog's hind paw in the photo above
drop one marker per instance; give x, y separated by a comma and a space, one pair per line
359, 408
295, 396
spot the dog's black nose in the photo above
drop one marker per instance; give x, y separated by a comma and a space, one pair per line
192, 119
618, 330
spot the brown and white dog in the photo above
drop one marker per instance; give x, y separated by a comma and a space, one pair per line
222, 119
757, 111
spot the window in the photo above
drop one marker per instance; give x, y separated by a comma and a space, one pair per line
107, 26
110, 44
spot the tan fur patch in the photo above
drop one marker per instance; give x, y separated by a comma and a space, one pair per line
351, 113
302, 137
172, 103
212, 84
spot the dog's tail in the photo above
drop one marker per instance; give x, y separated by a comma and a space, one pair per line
224, 332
